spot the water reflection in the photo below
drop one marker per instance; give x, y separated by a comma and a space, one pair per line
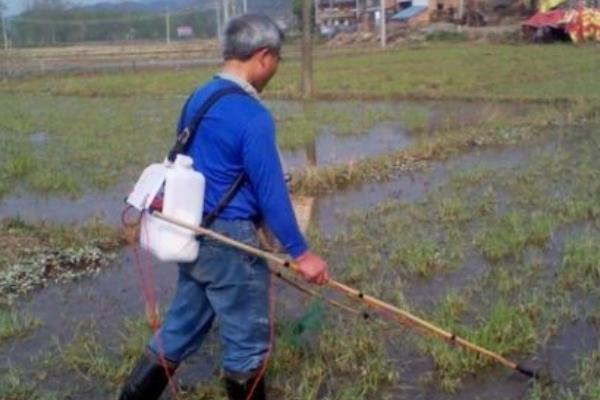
329, 149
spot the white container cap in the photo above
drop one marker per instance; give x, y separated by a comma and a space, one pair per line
184, 161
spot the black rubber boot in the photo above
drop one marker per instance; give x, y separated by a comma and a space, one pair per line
240, 389
147, 380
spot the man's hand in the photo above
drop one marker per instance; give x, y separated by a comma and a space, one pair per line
313, 268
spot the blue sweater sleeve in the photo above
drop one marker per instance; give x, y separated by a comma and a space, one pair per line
263, 167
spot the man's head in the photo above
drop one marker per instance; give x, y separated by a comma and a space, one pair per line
253, 43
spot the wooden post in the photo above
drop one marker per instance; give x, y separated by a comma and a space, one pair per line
311, 153
4, 34
219, 27
307, 62
225, 11
317, 22
382, 22
168, 26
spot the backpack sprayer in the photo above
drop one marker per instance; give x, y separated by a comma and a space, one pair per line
175, 189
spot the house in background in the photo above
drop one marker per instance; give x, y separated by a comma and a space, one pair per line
333, 16
419, 12
336, 12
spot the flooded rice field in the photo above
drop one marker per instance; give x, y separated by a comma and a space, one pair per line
328, 149
498, 244
337, 139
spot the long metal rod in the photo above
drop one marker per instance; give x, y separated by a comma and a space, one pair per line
371, 301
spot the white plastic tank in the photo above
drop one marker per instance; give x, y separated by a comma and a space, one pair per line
183, 199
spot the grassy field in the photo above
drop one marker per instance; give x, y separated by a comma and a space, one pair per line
65, 145
523, 238
430, 70
58, 137
503, 253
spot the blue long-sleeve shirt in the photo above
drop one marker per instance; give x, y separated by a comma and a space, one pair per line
237, 135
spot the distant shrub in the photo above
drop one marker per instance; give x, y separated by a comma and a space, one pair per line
508, 37
447, 36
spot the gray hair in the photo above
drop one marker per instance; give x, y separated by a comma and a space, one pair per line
246, 34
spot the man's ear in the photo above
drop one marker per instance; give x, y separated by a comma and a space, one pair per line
262, 55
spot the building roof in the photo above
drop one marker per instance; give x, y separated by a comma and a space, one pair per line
409, 13
543, 19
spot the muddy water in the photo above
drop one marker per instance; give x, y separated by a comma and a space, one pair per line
392, 135
115, 294
102, 303
105, 299
106, 206
331, 210
435, 114
494, 383
556, 359
328, 149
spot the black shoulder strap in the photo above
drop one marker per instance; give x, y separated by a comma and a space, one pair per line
227, 197
185, 136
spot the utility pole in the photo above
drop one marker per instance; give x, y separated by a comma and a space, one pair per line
3, 21
219, 27
307, 61
225, 11
245, 8
4, 34
168, 25
382, 22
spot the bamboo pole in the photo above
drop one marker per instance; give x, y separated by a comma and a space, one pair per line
371, 301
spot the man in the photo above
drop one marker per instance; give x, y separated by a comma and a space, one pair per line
237, 135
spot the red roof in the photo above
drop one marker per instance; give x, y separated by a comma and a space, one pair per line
542, 19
